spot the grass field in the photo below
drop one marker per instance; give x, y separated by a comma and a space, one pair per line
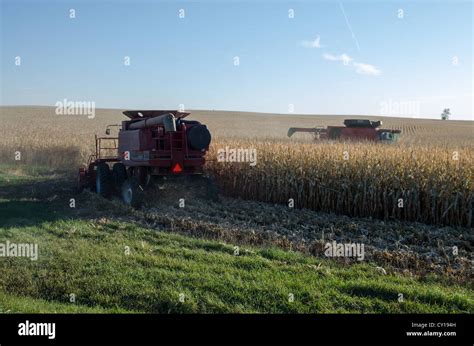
112, 265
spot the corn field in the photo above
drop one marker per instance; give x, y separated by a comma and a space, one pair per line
430, 185
428, 177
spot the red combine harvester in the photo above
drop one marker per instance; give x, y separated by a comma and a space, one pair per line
151, 143
354, 129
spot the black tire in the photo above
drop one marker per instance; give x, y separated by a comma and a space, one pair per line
132, 192
103, 181
119, 175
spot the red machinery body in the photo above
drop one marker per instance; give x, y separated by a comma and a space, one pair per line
150, 143
162, 152
354, 130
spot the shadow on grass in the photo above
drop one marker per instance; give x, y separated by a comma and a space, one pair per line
41, 187
27, 202
384, 293
27, 213
391, 294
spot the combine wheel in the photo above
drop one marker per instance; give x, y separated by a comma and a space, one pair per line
143, 176
133, 192
119, 175
103, 181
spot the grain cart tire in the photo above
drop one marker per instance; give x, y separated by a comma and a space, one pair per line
103, 181
132, 192
119, 175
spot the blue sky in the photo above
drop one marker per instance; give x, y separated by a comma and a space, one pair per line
349, 57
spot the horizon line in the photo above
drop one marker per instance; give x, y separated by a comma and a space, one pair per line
259, 112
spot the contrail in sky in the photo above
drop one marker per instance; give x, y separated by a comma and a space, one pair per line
349, 26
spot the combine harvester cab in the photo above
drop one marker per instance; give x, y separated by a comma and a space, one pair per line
354, 130
151, 143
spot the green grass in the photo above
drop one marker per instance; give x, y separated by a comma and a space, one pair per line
14, 304
89, 258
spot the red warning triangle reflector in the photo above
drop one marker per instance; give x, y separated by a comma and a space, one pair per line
177, 169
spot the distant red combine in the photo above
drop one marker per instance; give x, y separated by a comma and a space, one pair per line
354, 129
151, 143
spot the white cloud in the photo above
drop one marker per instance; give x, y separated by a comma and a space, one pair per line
367, 69
346, 59
359, 67
312, 44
